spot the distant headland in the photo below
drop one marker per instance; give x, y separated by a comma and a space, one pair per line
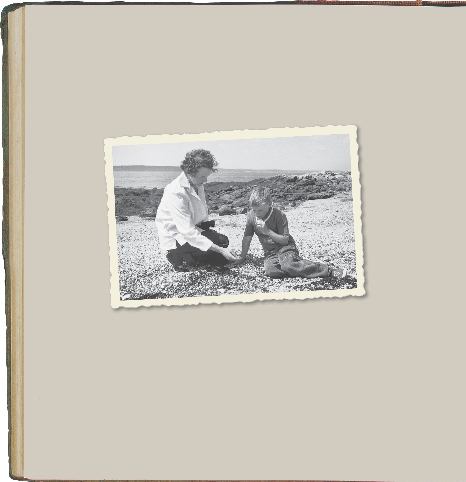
142, 167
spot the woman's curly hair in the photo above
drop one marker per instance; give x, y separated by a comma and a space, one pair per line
196, 159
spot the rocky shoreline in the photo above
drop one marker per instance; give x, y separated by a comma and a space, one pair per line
227, 198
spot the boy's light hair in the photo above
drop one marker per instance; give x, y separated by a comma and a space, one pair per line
260, 195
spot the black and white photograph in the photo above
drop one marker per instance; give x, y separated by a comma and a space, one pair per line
234, 216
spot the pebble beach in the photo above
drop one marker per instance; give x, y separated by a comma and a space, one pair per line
322, 228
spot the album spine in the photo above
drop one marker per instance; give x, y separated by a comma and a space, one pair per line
13, 129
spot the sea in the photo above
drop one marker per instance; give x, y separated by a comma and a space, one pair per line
159, 178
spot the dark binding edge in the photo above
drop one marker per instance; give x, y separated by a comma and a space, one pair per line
6, 211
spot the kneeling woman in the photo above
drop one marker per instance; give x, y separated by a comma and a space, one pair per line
182, 216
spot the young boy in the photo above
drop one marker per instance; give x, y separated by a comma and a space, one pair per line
281, 254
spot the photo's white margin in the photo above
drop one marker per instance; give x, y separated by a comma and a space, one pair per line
357, 209
112, 236
109, 143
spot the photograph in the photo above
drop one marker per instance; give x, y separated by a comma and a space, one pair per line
234, 216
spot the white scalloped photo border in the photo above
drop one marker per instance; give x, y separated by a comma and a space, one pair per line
350, 130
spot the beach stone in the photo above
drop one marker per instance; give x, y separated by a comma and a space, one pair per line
239, 193
225, 210
320, 195
239, 203
227, 198
149, 212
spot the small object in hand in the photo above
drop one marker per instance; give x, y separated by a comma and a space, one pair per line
206, 224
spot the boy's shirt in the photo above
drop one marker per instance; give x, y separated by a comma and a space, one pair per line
276, 221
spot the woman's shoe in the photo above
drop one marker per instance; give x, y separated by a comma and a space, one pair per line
177, 262
180, 269
188, 259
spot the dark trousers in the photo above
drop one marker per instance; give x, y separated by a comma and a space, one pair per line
287, 261
175, 256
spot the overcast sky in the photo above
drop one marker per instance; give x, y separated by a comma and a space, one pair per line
316, 152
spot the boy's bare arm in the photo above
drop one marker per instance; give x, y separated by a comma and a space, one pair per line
278, 238
244, 248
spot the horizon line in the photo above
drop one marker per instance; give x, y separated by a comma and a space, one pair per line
228, 168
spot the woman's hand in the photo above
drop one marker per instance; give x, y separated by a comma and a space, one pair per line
226, 253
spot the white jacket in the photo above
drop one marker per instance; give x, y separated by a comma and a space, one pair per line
179, 211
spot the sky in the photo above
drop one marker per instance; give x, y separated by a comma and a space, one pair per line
314, 152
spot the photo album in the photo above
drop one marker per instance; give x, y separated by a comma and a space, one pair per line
232, 240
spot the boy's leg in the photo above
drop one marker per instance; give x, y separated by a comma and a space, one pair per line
272, 266
292, 263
